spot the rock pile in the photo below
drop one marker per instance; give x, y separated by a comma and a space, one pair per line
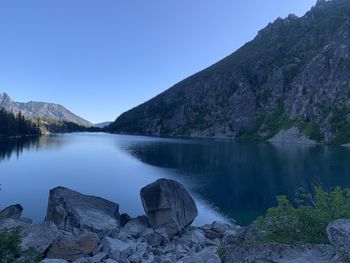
87, 229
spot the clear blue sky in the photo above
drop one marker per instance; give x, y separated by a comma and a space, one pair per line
100, 58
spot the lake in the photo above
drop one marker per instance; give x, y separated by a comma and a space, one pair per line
227, 179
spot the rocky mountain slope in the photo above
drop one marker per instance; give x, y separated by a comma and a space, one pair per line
42, 110
294, 73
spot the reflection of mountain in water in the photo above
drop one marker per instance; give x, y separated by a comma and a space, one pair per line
243, 179
16, 146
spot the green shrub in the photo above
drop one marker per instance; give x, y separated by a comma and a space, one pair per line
222, 252
305, 223
10, 248
312, 131
9, 245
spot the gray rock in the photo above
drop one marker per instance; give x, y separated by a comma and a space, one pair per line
153, 238
53, 260
339, 235
218, 229
81, 260
249, 234
281, 253
71, 247
168, 205
124, 218
191, 259
292, 135
12, 224
136, 226
12, 211
69, 210
195, 236
117, 249
109, 260
209, 255
134, 259
39, 236
100, 257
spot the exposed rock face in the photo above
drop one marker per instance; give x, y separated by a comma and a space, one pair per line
71, 247
41, 109
12, 211
72, 210
339, 235
292, 135
295, 70
270, 253
168, 205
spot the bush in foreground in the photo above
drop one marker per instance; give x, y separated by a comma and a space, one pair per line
9, 245
306, 222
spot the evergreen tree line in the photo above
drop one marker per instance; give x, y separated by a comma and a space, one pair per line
16, 125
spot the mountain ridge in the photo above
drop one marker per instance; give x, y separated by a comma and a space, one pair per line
293, 73
37, 109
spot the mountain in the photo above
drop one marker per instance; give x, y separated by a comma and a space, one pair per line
294, 73
103, 124
41, 109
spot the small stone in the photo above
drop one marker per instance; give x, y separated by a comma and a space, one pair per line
124, 218
136, 226
98, 257
153, 238
158, 252
117, 249
53, 260
220, 227
134, 259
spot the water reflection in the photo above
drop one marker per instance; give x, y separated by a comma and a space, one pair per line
242, 180
15, 146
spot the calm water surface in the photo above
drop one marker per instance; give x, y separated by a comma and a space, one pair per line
227, 179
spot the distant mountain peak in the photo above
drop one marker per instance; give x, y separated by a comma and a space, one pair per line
41, 109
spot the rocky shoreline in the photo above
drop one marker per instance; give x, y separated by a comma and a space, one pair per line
87, 229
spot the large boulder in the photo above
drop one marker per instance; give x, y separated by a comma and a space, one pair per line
70, 247
71, 210
12, 211
339, 235
168, 205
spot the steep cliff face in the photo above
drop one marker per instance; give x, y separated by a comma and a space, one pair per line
296, 72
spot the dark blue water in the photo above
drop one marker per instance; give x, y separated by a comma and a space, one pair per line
227, 179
